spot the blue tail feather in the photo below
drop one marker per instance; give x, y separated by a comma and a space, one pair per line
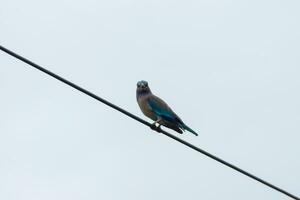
189, 129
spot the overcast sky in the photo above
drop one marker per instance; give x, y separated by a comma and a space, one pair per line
229, 69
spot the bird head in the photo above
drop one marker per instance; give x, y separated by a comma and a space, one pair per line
142, 87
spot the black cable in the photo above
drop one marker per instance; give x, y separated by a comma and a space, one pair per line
147, 123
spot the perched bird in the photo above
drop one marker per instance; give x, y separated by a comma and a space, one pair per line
157, 110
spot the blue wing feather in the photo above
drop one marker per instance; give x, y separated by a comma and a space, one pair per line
162, 110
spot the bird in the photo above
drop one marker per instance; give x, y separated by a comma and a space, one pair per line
158, 110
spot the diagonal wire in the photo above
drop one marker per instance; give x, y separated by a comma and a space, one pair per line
146, 123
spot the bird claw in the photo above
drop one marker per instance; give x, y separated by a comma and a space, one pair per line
155, 128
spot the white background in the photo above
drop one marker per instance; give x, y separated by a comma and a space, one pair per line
229, 69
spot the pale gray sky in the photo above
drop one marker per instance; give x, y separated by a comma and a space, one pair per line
230, 69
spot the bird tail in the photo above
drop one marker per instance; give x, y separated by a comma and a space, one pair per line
189, 129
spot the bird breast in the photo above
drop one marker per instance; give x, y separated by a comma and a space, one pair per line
144, 106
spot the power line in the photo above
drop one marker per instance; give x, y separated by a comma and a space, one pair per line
146, 123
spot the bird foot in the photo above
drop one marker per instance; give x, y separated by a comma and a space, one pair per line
155, 128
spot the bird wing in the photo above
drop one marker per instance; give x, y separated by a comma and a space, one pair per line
161, 109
